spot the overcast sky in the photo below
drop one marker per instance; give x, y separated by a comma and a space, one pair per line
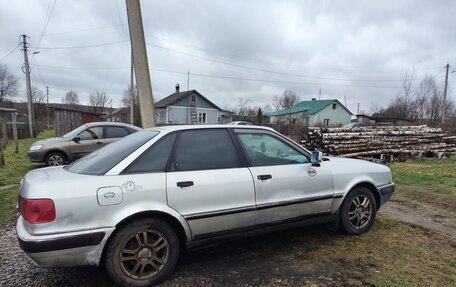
353, 50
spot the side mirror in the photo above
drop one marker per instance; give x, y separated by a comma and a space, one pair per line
76, 139
316, 158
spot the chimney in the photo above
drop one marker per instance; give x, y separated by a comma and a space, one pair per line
314, 99
177, 88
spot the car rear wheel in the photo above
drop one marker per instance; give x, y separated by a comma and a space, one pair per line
142, 253
358, 211
55, 158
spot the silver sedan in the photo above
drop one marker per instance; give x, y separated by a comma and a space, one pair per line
138, 202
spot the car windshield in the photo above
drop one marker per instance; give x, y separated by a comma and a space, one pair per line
102, 160
74, 132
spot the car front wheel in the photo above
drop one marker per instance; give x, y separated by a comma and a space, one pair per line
55, 158
142, 253
358, 211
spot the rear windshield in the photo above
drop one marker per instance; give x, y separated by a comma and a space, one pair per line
102, 160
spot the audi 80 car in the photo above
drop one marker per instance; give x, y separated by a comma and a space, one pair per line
136, 203
78, 142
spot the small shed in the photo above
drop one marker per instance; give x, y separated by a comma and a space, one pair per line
67, 119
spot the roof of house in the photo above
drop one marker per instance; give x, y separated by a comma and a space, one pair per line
307, 107
74, 108
169, 100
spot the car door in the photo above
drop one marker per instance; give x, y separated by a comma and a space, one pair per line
208, 185
114, 133
88, 140
287, 186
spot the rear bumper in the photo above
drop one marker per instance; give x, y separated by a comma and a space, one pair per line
386, 191
67, 249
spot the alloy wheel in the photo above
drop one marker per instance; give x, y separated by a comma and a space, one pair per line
360, 211
144, 254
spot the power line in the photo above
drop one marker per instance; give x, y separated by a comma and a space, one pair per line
45, 26
80, 68
120, 18
81, 47
10, 52
275, 81
83, 30
265, 70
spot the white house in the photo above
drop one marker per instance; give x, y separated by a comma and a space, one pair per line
314, 112
189, 107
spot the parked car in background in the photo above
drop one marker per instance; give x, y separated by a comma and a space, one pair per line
354, 125
137, 202
78, 142
240, 123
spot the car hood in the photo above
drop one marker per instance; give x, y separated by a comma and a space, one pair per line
353, 168
51, 140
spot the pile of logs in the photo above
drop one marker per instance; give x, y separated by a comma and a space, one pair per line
399, 142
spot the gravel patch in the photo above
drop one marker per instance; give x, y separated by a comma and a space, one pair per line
258, 261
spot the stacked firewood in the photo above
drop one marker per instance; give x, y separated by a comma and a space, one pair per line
401, 142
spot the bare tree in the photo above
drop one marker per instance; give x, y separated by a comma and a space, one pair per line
126, 102
37, 96
241, 108
71, 98
287, 100
8, 83
98, 101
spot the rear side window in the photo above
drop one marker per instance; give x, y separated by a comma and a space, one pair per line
155, 158
115, 132
92, 133
205, 149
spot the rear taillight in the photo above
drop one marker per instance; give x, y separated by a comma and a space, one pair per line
37, 210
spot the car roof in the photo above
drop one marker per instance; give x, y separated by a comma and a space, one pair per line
91, 124
197, 127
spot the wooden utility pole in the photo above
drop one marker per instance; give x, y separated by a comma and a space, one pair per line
188, 80
445, 89
28, 86
13, 119
141, 65
47, 108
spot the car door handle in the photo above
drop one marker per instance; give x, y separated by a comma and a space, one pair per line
99, 143
185, 183
264, 177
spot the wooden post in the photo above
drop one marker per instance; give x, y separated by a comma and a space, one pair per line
16, 147
2, 160
5, 134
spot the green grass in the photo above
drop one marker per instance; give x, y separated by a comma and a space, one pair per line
429, 174
8, 199
390, 254
17, 165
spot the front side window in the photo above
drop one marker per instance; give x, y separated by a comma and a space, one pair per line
155, 158
202, 118
264, 149
116, 132
205, 149
92, 133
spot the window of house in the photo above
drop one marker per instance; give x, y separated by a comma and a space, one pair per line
202, 118
155, 158
116, 132
162, 116
264, 149
193, 98
334, 106
326, 122
205, 149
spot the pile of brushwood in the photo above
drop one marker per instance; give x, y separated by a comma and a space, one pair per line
384, 143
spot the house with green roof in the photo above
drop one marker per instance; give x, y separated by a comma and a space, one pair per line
314, 112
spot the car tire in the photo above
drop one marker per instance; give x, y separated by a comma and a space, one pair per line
142, 253
55, 158
358, 211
